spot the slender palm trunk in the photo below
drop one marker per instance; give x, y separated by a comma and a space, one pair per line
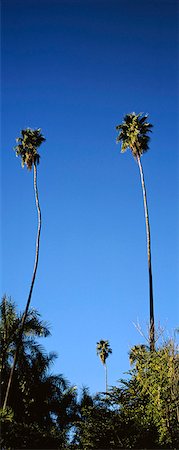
30, 292
152, 330
4, 346
106, 377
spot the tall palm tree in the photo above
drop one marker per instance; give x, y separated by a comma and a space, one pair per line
27, 148
133, 133
103, 351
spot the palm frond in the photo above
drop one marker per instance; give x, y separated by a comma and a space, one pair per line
103, 350
27, 146
133, 133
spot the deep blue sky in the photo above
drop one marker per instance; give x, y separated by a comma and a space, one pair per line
74, 68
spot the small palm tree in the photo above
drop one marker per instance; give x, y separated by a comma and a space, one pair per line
103, 351
133, 133
27, 148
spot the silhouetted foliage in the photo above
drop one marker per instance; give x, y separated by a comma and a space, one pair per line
141, 412
41, 405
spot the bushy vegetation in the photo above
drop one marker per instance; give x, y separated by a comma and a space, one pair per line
45, 411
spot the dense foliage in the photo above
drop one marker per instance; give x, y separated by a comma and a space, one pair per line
142, 411
41, 405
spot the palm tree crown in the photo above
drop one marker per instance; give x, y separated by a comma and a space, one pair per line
103, 350
27, 146
133, 133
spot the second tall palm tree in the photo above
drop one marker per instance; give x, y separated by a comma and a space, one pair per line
133, 133
27, 145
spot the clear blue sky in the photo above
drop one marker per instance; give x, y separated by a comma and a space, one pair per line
74, 68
